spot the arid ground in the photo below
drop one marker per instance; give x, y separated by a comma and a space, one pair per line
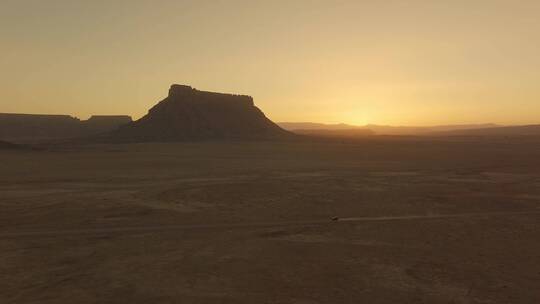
420, 221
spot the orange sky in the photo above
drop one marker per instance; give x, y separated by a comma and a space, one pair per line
395, 62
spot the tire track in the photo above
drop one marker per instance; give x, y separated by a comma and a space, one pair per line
334, 221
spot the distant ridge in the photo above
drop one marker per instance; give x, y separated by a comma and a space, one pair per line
336, 133
421, 130
188, 114
310, 127
30, 128
528, 130
315, 126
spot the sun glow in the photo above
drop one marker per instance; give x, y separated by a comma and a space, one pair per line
354, 62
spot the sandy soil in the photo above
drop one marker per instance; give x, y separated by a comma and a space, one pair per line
421, 221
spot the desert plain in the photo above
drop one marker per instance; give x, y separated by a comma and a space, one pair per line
374, 220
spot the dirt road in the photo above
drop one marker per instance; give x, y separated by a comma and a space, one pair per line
147, 229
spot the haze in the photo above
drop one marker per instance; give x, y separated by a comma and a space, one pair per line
397, 62
290, 152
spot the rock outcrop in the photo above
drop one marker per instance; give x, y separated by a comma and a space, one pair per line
188, 114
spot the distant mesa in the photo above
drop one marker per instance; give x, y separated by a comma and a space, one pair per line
187, 114
31, 128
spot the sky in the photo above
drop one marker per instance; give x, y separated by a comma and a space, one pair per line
381, 62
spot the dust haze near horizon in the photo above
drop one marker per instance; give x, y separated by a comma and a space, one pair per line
399, 63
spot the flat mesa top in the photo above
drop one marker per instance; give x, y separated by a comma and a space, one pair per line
179, 90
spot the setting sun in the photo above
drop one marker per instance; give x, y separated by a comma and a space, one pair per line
406, 63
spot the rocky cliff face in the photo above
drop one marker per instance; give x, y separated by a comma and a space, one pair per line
189, 114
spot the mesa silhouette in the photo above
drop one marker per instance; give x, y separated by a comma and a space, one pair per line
187, 114
30, 128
